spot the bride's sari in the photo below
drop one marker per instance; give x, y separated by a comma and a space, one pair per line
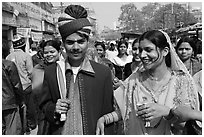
178, 89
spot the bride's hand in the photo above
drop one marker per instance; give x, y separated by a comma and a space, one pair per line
150, 111
100, 126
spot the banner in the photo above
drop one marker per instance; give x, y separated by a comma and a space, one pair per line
36, 36
24, 32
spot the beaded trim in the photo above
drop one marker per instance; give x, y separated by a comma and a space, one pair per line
83, 104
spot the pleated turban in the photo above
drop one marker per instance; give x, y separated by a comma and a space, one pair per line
74, 19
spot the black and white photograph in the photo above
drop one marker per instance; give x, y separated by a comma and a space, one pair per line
101, 67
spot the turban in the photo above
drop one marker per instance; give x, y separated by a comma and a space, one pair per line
74, 20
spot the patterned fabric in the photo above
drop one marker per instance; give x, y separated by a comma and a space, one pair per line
176, 63
171, 95
76, 122
180, 89
198, 80
73, 123
96, 83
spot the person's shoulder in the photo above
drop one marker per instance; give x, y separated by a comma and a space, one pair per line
99, 67
5, 61
39, 66
107, 61
8, 62
128, 65
96, 64
197, 66
198, 74
9, 65
10, 55
130, 57
181, 76
194, 60
26, 54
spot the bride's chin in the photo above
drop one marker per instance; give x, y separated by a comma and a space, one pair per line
148, 66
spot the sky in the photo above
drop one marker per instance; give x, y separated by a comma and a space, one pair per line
108, 12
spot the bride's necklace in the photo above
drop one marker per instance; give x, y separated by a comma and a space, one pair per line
152, 77
154, 85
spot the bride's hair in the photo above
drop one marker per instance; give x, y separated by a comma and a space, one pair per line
158, 39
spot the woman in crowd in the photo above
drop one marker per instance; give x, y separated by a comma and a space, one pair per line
51, 53
100, 48
186, 50
111, 51
148, 100
136, 62
121, 60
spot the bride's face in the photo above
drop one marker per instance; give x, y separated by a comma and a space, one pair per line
150, 54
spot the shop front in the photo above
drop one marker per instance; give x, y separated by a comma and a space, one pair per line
8, 22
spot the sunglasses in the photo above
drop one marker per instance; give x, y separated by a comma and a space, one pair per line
71, 42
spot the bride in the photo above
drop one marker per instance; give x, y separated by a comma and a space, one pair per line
148, 98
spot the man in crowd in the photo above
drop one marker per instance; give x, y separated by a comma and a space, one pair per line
24, 65
79, 90
12, 95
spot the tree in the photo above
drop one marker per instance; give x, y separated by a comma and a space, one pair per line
170, 16
131, 18
148, 12
154, 16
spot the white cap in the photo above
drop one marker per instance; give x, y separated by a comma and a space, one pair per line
113, 42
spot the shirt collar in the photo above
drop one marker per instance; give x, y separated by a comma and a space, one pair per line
85, 66
15, 50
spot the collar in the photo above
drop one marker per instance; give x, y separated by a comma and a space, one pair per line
15, 50
85, 66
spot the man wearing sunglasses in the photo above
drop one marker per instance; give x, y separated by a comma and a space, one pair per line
76, 91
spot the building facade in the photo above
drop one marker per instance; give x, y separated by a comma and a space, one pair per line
31, 20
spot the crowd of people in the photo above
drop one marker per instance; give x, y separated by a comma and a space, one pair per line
155, 90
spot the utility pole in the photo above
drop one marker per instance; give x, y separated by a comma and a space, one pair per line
61, 7
188, 12
172, 8
174, 15
164, 20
